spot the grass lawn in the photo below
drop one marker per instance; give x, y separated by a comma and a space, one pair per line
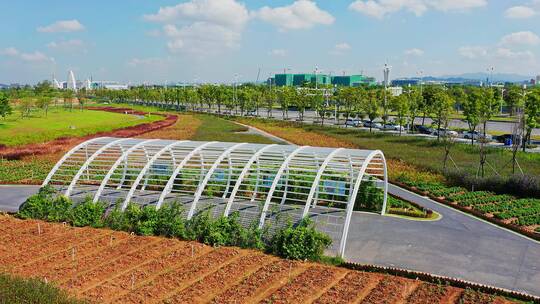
39, 128
219, 129
16, 290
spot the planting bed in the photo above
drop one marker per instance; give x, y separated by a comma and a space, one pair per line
116, 267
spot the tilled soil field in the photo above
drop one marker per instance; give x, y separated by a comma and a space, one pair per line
106, 266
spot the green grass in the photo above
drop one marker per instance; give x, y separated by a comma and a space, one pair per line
15, 290
39, 128
214, 128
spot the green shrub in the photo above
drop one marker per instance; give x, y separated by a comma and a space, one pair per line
15, 290
59, 210
170, 221
88, 213
302, 242
116, 219
38, 206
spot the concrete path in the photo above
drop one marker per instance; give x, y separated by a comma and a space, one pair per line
12, 197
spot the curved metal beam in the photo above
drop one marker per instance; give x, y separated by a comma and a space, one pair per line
245, 170
352, 200
317, 179
279, 173
170, 182
66, 156
87, 163
145, 169
209, 174
119, 161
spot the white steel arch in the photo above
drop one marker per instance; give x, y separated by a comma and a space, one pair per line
177, 170
116, 164
66, 156
276, 181
245, 170
209, 174
144, 170
322, 184
89, 161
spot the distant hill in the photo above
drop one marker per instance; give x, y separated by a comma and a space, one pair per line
498, 77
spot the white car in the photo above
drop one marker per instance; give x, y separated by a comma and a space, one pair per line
373, 125
393, 127
353, 122
444, 132
476, 135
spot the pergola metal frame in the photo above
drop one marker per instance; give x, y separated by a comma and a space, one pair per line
256, 180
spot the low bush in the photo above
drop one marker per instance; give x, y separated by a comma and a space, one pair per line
302, 242
17, 290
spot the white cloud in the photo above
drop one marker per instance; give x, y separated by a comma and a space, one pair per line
521, 38
278, 52
519, 12
414, 52
66, 45
302, 14
35, 56
152, 61
342, 47
62, 26
505, 53
202, 26
473, 52
381, 8
10, 51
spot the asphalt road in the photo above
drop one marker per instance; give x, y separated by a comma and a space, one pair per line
456, 245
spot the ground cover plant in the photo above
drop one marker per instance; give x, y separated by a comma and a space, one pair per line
107, 266
14, 290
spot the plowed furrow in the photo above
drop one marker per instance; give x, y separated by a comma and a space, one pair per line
267, 278
350, 289
305, 285
390, 290
123, 282
98, 257
428, 293
166, 284
21, 241
66, 257
202, 291
154, 249
66, 241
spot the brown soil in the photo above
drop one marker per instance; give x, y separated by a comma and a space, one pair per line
116, 267
355, 286
304, 286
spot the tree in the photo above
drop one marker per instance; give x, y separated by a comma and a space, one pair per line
441, 107
371, 106
43, 103
26, 105
415, 103
471, 110
513, 98
5, 107
68, 99
400, 104
287, 95
532, 114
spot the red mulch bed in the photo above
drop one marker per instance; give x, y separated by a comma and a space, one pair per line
61, 144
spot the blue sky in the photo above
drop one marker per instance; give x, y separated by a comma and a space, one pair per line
214, 40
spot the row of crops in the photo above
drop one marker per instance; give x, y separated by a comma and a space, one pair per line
522, 212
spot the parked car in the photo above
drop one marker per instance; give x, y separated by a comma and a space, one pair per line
476, 135
423, 129
352, 122
444, 132
393, 127
372, 124
505, 137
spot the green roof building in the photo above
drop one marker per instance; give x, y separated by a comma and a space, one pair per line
353, 80
283, 80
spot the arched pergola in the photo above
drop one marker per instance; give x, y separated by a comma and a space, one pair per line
266, 184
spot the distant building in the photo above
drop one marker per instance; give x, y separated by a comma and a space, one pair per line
282, 80
403, 82
538, 79
395, 91
109, 85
